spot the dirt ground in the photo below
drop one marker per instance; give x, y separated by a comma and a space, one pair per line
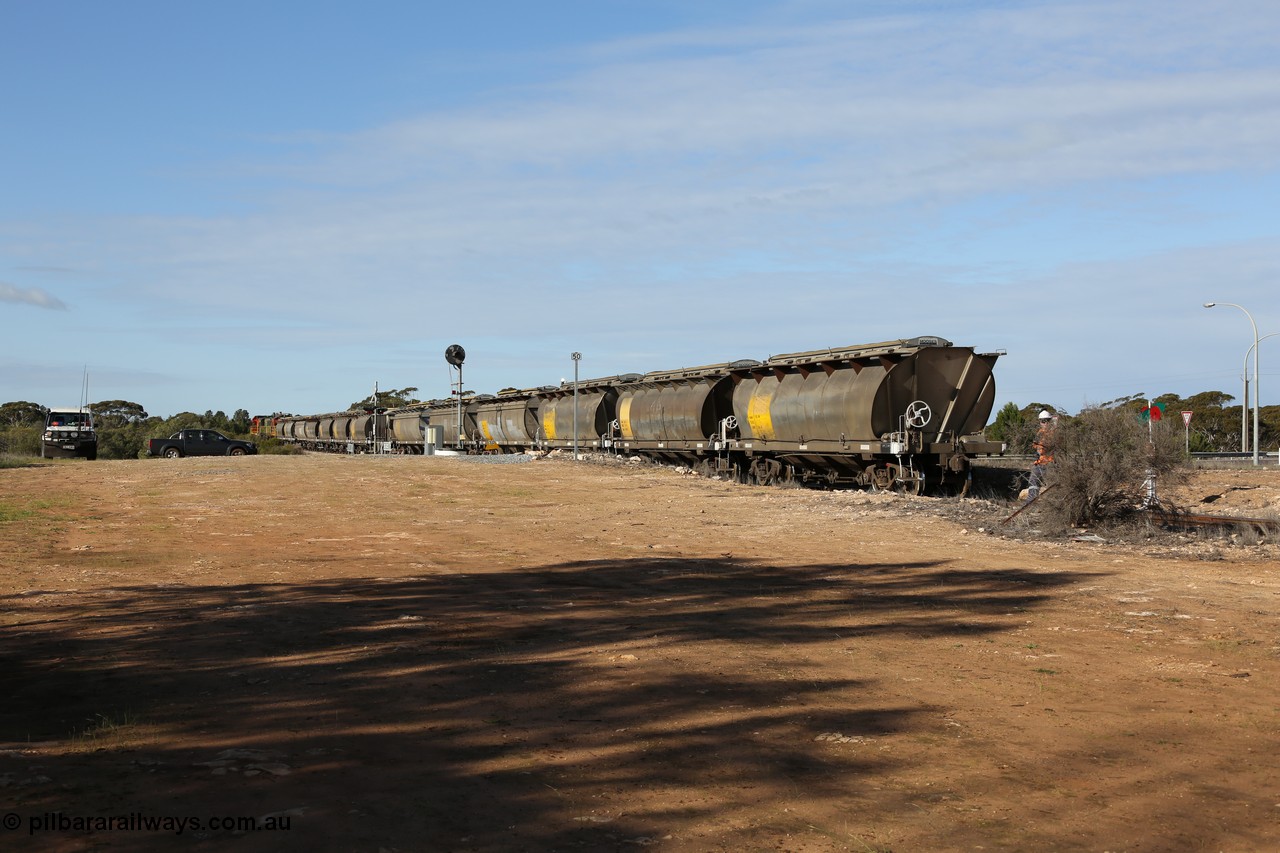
403, 654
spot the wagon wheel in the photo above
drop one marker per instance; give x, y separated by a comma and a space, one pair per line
882, 477
766, 471
907, 482
893, 477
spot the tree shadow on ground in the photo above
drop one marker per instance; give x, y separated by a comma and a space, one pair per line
581, 705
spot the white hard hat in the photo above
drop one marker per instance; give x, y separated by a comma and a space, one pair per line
1044, 415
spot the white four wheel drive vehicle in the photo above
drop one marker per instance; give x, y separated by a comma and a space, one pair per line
68, 434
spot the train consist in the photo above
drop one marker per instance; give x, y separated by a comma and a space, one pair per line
904, 415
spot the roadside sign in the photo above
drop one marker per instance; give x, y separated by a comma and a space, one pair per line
1186, 418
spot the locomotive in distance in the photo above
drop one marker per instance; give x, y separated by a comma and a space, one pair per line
905, 415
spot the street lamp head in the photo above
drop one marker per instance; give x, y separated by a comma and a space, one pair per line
1210, 304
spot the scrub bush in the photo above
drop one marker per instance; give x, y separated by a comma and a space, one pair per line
1103, 460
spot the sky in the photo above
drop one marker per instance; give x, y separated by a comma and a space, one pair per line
274, 206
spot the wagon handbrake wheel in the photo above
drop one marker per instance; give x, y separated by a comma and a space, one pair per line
918, 414
727, 425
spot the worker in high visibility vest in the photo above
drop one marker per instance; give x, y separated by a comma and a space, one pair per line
1043, 446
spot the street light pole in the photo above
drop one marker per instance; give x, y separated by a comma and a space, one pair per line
577, 356
1256, 383
1244, 404
1254, 349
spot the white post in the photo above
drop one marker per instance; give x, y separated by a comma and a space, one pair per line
577, 356
1257, 392
1244, 406
1150, 485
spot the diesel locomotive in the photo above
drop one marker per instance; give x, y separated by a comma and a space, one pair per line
904, 415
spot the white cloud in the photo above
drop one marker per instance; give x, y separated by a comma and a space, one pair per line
30, 296
924, 96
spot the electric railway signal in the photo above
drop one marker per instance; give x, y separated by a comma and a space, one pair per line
455, 355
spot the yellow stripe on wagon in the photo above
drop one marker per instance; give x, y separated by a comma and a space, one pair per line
758, 411
624, 417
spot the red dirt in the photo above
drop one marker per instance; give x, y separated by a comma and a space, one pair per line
432, 654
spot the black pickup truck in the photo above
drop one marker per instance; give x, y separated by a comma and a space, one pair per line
199, 442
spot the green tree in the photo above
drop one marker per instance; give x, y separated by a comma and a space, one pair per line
1007, 425
20, 425
1127, 400
1213, 428
392, 398
216, 420
21, 413
117, 412
1269, 427
1209, 400
123, 440
180, 421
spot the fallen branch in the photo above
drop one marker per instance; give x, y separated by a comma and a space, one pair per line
1027, 504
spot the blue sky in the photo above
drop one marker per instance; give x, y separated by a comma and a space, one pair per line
272, 206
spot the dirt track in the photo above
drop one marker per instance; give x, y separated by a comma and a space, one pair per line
429, 654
